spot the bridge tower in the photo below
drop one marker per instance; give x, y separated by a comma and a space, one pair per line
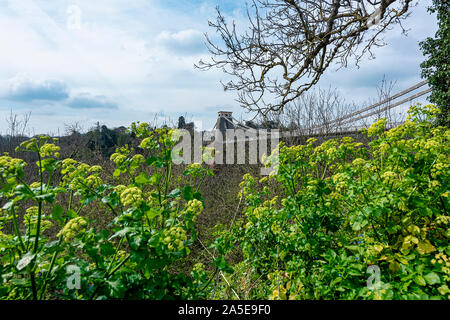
224, 121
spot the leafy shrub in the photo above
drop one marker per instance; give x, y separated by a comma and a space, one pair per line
344, 207
152, 226
340, 220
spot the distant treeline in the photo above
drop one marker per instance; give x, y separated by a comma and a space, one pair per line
101, 140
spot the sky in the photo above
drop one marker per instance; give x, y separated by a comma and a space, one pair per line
116, 62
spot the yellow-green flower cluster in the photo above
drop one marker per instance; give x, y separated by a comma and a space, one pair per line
432, 145
312, 185
174, 238
72, 168
118, 158
131, 196
331, 152
416, 112
30, 218
276, 227
95, 169
138, 159
80, 176
247, 184
119, 189
327, 149
176, 134
198, 267
194, 206
141, 129
442, 259
389, 177
49, 150
93, 181
358, 162
9, 165
256, 214
194, 169
68, 165
443, 220
121, 254
29, 145
439, 169
72, 228
147, 143
433, 184
340, 179
377, 128
35, 185
271, 203
165, 136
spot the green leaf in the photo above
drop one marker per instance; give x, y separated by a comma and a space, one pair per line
122, 233
197, 195
116, 288
432, 278
420, 280
23, 190
394, 266
151, 160
135, 242
49, 197
116, 173
8, 205
425, 247
25, 260
152, 213
188, 193
111, 199
107, 249
57, 213
155, 179
222, 265
70, 214
142, 179
356, 226
174, 193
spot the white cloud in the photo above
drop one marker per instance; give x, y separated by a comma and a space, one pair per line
88, 101
185, 42
22, 88
140, 55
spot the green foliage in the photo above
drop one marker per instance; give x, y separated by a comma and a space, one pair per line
152, 226
437, 66
344, 207
340, 220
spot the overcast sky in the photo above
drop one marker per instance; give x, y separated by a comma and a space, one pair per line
117, 61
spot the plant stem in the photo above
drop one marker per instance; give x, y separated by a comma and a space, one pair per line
52, 263
109, 275
16, 228
38, 229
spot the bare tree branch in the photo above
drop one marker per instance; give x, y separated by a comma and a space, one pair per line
290, 43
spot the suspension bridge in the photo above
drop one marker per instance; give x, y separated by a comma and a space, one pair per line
346, 124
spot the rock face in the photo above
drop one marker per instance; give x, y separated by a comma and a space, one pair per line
181, 122
183, 125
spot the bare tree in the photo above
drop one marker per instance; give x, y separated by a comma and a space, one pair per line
384, 91
73, 128
16, 129
290, 43
313, 112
